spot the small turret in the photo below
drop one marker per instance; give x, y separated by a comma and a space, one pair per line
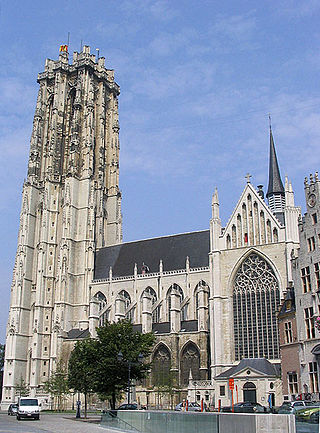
215, 223
215, 204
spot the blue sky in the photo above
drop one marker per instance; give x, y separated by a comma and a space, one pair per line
198, 80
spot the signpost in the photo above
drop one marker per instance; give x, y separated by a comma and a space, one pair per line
231, 387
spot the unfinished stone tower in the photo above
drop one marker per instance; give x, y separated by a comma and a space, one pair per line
71, 205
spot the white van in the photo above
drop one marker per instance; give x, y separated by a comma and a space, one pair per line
28, 408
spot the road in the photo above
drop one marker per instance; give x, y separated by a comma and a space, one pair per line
305, 427
49, 423
66, 423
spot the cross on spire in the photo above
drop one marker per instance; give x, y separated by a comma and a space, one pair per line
247, 176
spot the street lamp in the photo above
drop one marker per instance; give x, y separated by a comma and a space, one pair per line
129, 363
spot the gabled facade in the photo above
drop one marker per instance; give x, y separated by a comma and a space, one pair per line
211, 297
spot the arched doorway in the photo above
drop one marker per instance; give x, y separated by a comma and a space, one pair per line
249, 392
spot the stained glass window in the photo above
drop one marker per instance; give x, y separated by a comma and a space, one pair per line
256, 299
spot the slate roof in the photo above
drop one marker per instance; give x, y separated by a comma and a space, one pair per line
77, 334
275, 182
172, 250
261, 365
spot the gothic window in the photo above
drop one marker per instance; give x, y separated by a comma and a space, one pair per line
156, 311
150, 291
228, 241
184, 312
180, 292
156, 314
275, 235
256, 299
104, 317
190, 361
161, 366
234, 236
239, 230
268, 231
102, 300
262, 227
130, 314
125, 297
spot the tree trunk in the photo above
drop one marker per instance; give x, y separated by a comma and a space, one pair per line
113, 400
85, 405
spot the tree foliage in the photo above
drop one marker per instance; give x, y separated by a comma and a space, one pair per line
81, 369
57, 384
107, 375
22, 388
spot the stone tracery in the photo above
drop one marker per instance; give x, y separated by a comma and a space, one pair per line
256, 299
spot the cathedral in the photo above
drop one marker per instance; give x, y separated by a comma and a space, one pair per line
211, 297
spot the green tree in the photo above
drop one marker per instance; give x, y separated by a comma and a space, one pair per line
57, 384
110, 374
81, 369
166, 384
22, 388
2, 350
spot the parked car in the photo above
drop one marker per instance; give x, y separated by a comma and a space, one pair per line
28, 408
130, 406
192, 407
308, 414
293, 406
245, 407
12, 409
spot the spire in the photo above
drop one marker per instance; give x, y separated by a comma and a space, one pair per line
276, 192
275, 182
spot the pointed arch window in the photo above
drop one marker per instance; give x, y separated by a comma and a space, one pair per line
189, 363
155, 311
102, 300
151, 292
161, 366
124, 295
256, 300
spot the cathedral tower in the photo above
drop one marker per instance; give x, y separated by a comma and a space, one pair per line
71, 205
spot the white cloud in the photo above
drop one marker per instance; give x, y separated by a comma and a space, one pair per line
234, 31
159, 9
300, 9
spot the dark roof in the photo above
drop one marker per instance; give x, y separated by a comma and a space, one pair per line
275, 182
288, 305
261, 365
77, 334
189, 325
172, 250
161, 328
